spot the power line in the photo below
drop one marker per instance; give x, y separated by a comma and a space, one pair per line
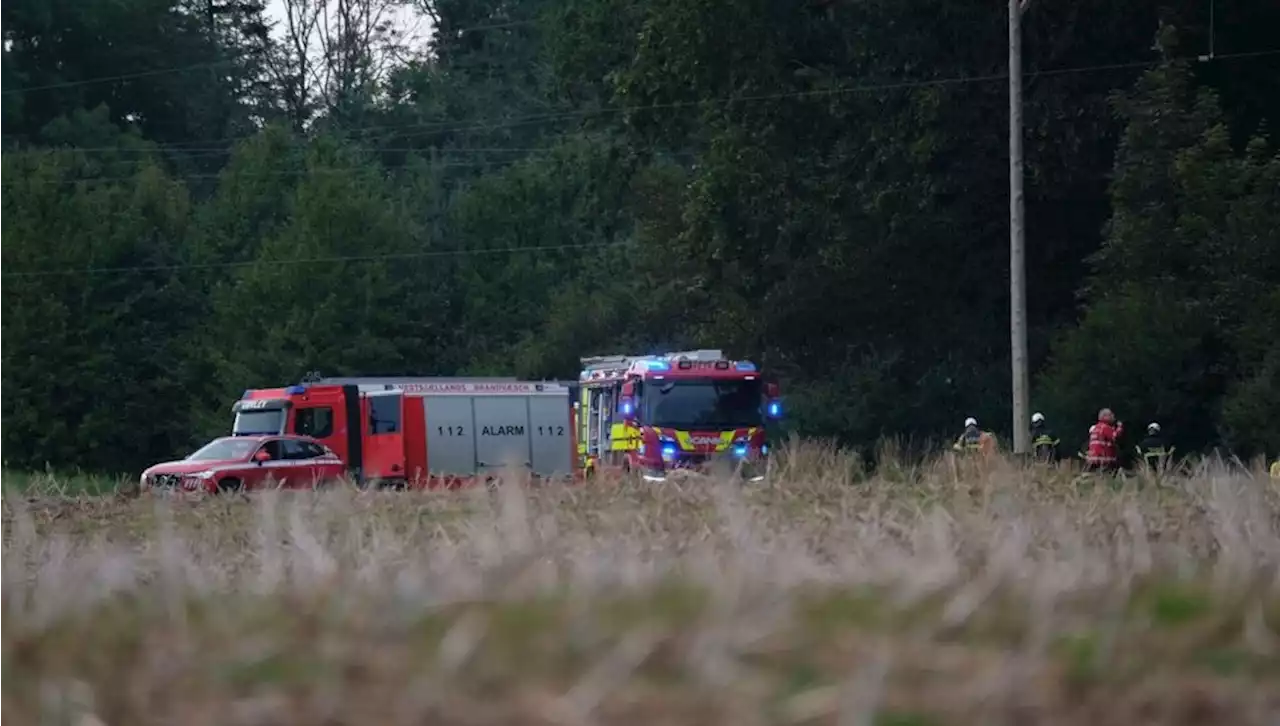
424, 128
224, 150
657, 106
207, 65
71, 271
124, 76
494, 26
1131, 65
443, 127
213, 151
375, 168
346, 169
490, 163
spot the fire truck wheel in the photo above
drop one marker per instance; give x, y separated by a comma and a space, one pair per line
228, 485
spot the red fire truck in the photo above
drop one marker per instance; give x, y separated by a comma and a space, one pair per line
658, 413
423, 432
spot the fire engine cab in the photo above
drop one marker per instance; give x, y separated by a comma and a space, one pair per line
424, 432
682, 410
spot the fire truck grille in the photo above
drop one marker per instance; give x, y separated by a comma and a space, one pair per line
694, 460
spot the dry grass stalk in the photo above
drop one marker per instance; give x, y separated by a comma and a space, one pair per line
923, 595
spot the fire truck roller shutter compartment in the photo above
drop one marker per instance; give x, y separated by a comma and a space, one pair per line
451, 435
549, 423
502, 432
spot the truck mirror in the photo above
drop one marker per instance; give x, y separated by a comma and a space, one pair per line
261, 456
627, 401
771, 390
627, 407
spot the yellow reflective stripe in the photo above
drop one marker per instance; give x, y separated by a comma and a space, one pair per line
623, 437
584, 420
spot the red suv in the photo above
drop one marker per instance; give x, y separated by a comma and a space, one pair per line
249, 462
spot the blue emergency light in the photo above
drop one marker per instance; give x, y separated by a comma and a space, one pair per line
746, 365
658, 365
668, 452
740, 450
775, 409
295, 389
626, 408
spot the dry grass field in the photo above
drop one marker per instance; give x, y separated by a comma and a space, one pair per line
930, 596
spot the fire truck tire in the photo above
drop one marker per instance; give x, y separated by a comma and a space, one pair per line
228, 485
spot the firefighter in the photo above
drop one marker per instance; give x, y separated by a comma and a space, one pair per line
1101, 454
971, 440
1153, 448
1043, 442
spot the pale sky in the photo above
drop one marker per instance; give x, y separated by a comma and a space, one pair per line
415, 25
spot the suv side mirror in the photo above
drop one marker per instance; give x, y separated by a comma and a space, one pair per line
261, 456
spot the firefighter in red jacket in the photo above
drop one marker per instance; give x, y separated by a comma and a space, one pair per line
1102, 441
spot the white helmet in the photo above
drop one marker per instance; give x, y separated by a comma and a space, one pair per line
1153, 428
1037, 417
971, 421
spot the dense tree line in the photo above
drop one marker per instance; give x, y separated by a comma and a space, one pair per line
198, 199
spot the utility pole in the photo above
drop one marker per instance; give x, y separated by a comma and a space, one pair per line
1017, 237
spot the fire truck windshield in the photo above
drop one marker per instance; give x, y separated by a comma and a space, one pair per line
702, 404
258, 421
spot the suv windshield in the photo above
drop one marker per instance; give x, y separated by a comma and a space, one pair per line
705, 404
224, 450
258, 421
